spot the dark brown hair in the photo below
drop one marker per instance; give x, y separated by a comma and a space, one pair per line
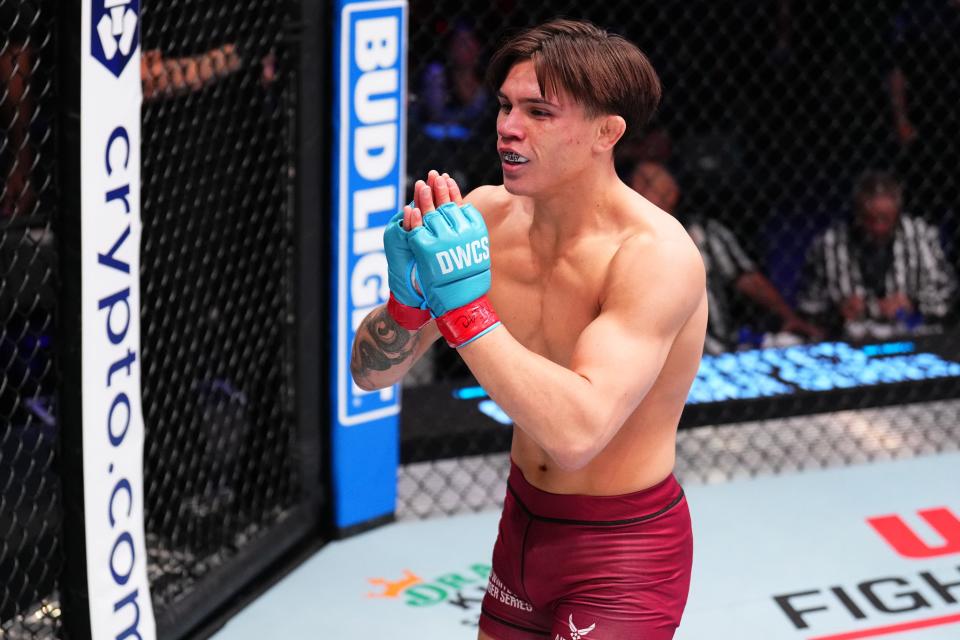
603, 72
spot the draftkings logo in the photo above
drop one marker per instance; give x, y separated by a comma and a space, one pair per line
908, 600
462, 591
116, 32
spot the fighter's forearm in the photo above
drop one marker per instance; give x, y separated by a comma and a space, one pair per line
559, 409
383, 351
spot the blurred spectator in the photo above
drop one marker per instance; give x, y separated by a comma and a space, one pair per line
825, 75
454, 113
452, 92
450, 124
924, 94
729, 269
27, 254
166, 77
16, 107
883, 274
653, 144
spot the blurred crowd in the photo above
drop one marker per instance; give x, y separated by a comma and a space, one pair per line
810, 149
30, 107
876, 273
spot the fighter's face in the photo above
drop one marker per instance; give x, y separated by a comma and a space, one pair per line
544, 142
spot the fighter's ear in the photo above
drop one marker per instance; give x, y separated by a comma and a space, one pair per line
611, 129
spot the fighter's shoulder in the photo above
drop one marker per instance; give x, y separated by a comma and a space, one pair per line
658, 252
494, 202
670, 251
659, 236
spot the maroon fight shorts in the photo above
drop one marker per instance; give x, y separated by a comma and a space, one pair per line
574, 567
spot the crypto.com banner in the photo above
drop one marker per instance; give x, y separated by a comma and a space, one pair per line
113, 432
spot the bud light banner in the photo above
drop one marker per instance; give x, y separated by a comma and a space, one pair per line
370, 123
113, 432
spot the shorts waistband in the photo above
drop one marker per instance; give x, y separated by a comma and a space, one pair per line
627, 508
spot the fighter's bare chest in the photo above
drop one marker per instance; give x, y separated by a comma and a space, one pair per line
545, 304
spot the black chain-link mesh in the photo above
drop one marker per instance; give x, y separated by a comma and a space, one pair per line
773, 113
30, 502
217, 285
712, 454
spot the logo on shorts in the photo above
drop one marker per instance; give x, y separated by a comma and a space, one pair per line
575, 633
116, 30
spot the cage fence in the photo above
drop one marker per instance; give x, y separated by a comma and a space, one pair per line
30, 502
772, 111
780, 122
218, 300
225, 490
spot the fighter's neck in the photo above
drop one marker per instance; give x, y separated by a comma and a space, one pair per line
577, 209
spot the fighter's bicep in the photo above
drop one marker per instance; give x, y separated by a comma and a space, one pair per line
624, 349
618, 360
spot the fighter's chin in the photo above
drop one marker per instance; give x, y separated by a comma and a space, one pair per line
516, 187
512, 189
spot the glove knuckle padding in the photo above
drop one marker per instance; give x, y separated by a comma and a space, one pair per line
471, 214
432, 222
453, 257
455, 217
448, 211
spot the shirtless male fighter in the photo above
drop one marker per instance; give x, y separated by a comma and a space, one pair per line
581, 308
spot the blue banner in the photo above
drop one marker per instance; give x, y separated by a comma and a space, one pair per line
369, 157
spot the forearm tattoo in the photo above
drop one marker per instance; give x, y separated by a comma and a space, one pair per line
381, 344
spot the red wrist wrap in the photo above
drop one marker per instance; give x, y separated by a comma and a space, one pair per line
410, 318
463, 324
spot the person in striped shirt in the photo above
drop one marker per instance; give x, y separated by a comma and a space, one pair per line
729, 269
882, 274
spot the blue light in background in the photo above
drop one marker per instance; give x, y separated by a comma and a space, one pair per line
765, 373
469, 393
821, 367
493, 410
888, 349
